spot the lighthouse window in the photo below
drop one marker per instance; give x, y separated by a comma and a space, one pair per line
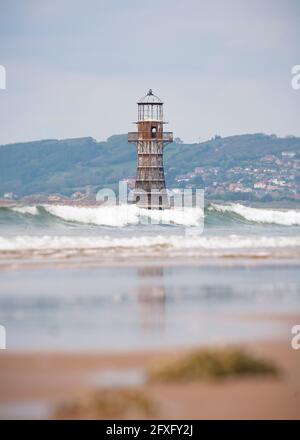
153, 132
160, 202
146, 112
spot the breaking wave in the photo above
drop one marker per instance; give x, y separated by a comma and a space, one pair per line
32, 210
115, 216
126, 215
175, 242
260, 215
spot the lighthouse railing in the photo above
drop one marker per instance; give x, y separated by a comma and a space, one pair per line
166, 136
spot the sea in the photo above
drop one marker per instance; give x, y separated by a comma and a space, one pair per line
119, 278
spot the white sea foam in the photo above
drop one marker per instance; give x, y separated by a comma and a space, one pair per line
123, 215
32, 210
261, 215
144, 243
104, 216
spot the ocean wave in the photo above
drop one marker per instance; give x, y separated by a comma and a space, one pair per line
260, 215
175, 242
32, 210
124, 215
127, 215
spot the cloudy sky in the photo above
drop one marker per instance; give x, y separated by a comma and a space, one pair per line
77, 67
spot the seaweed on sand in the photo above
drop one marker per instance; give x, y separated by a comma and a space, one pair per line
217, 363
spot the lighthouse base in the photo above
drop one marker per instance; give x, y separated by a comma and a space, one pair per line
152, 200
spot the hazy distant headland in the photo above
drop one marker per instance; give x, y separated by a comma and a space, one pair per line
253, 167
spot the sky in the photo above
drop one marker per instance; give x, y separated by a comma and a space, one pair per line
77, 68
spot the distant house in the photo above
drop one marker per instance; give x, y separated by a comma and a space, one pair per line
260, 185
289, 154
8, 195
268, 158
54, 198
236, 187
78, 195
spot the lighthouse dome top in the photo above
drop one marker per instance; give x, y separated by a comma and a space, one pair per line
150, 98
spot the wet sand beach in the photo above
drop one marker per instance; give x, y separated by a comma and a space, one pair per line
42, 382
90, 305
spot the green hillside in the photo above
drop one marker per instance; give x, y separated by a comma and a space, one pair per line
65, 166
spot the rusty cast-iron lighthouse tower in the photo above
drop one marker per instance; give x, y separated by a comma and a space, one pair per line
150, 139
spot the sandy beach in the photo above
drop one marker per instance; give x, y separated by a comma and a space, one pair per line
41, 382
91, 301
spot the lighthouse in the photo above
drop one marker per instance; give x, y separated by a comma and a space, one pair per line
150, 139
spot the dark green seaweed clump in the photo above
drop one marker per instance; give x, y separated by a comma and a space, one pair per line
107, 403
212, 364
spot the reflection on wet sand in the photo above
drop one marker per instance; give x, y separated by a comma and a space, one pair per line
151, 297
